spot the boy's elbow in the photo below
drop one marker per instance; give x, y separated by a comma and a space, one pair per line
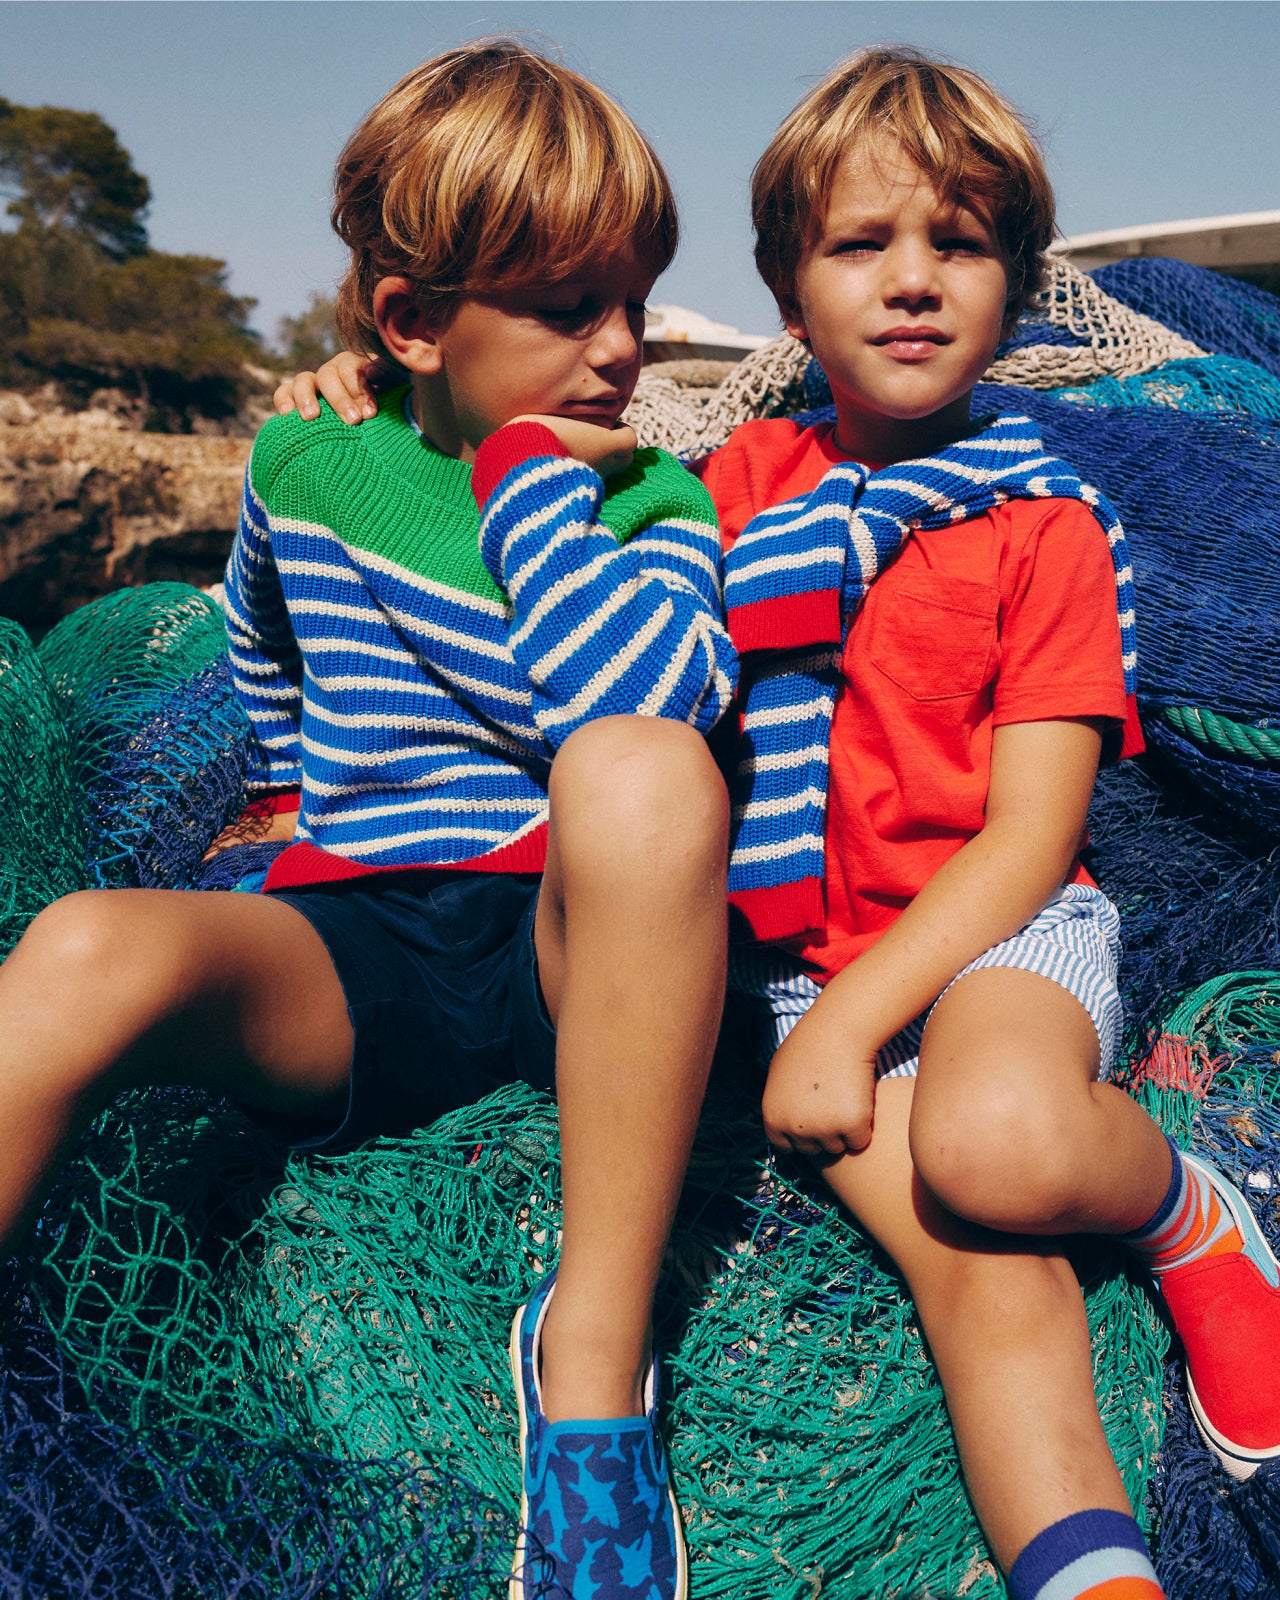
1045, 852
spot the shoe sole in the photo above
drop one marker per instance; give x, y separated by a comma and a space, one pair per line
516, 1588
1236, 1459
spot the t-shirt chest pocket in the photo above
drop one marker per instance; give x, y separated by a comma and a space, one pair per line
934, 636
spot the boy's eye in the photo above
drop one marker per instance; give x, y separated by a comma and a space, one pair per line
960, 245
853, 247
574, 314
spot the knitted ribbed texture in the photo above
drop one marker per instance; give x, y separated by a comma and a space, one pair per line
1093, 1555
372, 641
793, 581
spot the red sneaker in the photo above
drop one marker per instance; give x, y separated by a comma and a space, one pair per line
1226, 1309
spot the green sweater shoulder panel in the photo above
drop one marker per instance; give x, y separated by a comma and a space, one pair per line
654, 488
380, 488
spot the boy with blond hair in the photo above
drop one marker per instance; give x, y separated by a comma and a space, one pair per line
935, 619
478, 675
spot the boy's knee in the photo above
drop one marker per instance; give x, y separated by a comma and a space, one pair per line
646, 781
995, 1155
99, 940
76, 935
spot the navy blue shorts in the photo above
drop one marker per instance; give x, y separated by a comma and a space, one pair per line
441, 980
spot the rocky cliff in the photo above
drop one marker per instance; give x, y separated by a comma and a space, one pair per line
88, 503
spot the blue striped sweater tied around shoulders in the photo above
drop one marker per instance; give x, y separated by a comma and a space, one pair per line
794, 580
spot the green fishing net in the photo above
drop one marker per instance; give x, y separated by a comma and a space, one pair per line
201, 1288
41, 833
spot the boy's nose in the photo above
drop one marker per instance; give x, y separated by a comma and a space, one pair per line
616, 340
911, 277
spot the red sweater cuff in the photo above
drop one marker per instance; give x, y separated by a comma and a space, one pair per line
510, 447
790, 622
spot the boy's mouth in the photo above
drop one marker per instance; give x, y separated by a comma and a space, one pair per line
603, 411
912, 341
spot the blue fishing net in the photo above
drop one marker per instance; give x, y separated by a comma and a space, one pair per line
1204, 383
1196, 896
1220, 314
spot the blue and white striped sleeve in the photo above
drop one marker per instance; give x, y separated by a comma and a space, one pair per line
265, 664
602, 629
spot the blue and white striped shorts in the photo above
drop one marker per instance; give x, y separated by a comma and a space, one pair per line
1075, 941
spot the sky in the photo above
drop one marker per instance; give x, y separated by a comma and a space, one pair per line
235, 109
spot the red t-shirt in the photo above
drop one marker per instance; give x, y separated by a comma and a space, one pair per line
1009, 617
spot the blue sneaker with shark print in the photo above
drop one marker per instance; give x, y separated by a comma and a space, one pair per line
598, 1520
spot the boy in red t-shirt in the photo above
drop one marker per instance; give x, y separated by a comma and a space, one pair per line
942, 973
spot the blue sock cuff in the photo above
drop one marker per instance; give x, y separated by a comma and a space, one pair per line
1064, 1542
1173, 1194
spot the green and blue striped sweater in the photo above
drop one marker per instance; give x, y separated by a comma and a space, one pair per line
410, 661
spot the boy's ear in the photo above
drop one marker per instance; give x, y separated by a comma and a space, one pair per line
407, 335
793, 319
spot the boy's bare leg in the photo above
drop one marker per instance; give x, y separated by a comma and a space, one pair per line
114, 988
1005, 1126
1010, 1127
1006, 1326
631, 939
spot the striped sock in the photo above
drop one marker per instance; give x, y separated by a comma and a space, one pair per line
1093, 1555
1191, 1223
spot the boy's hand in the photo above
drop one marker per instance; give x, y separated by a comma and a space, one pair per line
820, 1097
608, 450
349, 382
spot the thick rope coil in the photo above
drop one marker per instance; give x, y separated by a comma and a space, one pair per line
1261, 746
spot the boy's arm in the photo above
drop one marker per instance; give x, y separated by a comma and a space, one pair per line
601, 629
820, 1094
265, 664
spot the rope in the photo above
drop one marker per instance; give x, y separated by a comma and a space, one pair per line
1260, 746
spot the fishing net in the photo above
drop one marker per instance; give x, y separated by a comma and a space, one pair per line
1207, 383
1212, 1078
1221, 314
1196, 896
286, 1376
41, 836
1075, 332
1207, 575
276, 1370
157, 733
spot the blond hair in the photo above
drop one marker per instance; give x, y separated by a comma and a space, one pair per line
491, 168
963, 136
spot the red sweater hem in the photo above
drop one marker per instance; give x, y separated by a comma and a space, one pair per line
304, 863
781, 912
